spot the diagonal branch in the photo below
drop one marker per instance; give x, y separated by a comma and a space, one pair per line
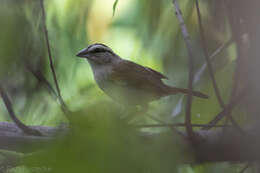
41, 79
206, 55
226, 110
201, 70
63, 105
245, 167
211, 57
13, 138
9, 107
187, 41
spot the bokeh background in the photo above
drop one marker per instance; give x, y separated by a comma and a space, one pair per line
144, 31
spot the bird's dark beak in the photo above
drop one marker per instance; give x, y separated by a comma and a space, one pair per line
83, 53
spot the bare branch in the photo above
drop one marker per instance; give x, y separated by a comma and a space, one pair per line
245, 168
213, 146
41, 79
63, 105
187, 41
14, 139
19, 124
206, 55
164, 123
201, 70
226, 110
176, 125
212, 56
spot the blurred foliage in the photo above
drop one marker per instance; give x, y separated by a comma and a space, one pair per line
101, 141
144, 31
114, 7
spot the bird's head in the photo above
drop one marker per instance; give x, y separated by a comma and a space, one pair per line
98, 54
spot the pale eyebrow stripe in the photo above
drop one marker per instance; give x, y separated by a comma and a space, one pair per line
100, 45
105, 48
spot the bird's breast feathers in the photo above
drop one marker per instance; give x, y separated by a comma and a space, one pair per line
122, 86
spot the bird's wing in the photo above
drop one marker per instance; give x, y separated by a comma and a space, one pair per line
158, 74
129, 73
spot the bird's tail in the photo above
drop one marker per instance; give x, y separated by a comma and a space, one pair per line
173, 90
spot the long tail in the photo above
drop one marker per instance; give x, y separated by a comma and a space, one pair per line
173, 90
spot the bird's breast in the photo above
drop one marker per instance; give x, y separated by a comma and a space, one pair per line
101, 76
120, 92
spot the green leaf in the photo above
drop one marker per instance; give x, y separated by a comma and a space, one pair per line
114, 7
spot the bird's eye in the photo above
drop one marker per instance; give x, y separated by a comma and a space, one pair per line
97, 50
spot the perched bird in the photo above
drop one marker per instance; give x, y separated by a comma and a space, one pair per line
125, 81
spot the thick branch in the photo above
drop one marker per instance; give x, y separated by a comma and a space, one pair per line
212, 146
14, 139
10, 110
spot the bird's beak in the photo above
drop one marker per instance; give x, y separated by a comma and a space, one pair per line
83, 53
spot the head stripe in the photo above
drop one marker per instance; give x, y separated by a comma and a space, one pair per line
98, 48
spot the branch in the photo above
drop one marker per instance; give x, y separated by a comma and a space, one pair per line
176, 125
14, 138
216, 146
10, 110
201, 70
213, 146
41, 79
226, 110
206, 55
212, 56
187, 41
63, 105
245, 168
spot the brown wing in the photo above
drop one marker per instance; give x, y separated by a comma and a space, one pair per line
158, 74
131, 74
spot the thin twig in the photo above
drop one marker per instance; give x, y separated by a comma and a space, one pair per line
209, 65
245, 168
41, 79
221, 48
212, 56
63, 105
155, 118
9, 107
162, 122
226, 110
187, 41
206, 55
176, 125
201, 70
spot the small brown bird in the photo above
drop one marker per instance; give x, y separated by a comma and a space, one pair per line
125, 81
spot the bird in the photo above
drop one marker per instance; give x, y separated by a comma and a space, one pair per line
125, 81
